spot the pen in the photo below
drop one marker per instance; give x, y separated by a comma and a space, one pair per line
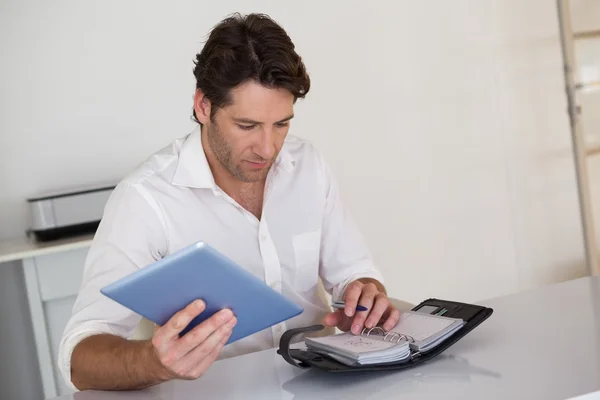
341, 304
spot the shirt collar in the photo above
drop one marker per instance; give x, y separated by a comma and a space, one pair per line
193, 169
285, 160
192, 166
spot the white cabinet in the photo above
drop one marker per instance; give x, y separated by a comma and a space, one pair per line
52, 282
59, 274
53, 273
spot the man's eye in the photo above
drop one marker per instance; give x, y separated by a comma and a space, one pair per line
282, 124
246, 127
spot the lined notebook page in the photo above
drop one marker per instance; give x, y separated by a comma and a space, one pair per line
354, 344
421, 326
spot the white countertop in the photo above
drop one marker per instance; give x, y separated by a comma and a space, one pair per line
20, 248
540, 344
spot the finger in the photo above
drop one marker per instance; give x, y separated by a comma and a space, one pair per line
210, 358
202, 351
351, 297
379, 308
202, 332
170, 331
345, 324
367, 299
333, 318
392, 319
338, 319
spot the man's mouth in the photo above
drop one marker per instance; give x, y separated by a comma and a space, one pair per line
257, 164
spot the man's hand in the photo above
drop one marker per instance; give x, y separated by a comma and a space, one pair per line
110, 362
370, 294
189, 356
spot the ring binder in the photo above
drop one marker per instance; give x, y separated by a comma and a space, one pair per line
398, 336
286, 339
472, 315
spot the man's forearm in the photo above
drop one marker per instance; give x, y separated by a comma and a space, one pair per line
108, 362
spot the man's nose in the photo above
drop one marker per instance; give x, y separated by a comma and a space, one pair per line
265, 147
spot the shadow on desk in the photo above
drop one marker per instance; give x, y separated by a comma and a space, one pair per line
117, 395
353, 385
148, 394
312, 384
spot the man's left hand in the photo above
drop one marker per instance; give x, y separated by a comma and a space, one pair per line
379, 309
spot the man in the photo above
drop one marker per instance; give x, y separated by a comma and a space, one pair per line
238, 182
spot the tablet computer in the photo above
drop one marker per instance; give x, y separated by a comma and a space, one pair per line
199, 271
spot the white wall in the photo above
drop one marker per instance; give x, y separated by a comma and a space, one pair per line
593, 165
584, 14
585, 17
445, 121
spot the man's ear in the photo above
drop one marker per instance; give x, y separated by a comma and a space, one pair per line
202, 107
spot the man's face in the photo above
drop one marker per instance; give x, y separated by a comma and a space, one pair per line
247, 135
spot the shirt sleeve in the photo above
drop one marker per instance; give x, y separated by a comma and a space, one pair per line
345, 256
131, 235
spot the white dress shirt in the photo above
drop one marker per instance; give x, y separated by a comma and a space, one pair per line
171, 201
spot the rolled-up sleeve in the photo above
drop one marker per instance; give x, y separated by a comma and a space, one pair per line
131, 235
345, 256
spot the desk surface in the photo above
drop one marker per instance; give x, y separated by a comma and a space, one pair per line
541, 344
20, 248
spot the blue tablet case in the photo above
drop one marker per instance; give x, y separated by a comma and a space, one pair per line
199, 271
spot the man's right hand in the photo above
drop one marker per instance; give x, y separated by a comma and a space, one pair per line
189, 356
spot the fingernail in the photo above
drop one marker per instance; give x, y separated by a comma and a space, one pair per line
225, 314
356, 329
232, 323
349, 311
198, 304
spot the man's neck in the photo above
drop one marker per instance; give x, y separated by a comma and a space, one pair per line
248, 194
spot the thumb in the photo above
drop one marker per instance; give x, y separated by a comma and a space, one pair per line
333, 318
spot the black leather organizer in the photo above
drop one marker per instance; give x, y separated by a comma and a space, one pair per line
472, 314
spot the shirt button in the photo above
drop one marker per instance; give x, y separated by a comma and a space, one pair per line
263, 237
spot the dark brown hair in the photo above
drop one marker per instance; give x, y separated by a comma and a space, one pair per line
242, 48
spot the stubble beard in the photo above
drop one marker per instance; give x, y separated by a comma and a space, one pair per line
224, 154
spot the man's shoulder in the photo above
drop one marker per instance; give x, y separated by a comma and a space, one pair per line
159, 166
302, 149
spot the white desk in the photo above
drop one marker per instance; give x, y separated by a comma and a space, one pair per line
22, 248
543, 344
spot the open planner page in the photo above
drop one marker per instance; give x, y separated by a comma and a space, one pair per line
422, 326
352, 344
